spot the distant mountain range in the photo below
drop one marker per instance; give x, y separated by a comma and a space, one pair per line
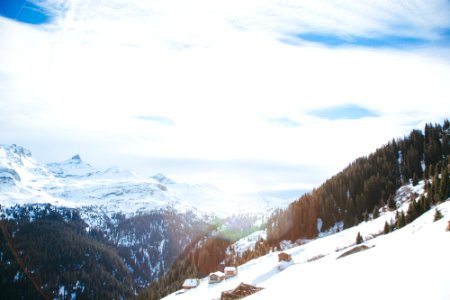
75, 183
135, 225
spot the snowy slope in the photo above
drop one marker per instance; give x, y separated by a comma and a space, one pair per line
410, 263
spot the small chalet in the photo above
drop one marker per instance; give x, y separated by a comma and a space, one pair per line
216, 277
283, 256
230, 271
190, 283
241, 291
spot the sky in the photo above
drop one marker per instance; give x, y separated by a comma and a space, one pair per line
255, 97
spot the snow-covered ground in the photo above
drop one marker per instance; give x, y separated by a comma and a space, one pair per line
409, 263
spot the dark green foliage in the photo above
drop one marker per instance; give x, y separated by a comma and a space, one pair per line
437, 215
400, 220
55, 244
366, 216
387, 228
375, 212
444, 187
415, 180
58, 252
359, 238
391, 202
413, 211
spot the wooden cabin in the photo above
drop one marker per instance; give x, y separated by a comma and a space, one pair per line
283, 256
230, 271
190, 283
241, 291
216, 277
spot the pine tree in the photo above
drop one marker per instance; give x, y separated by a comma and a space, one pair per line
437, 215
415, 180
401, 220
375, 212
444, 186
359, 238
386, 228
391, 202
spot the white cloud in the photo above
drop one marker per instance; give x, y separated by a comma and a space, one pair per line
218, 71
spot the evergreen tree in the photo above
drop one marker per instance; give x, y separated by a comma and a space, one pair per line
359, 238
391, 202
401, 220
375, 212
366, 216
437, 215
386, 228
415, 180
444, 186
411, 213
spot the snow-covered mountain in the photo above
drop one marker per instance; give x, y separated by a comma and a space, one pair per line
75, 183
409, 263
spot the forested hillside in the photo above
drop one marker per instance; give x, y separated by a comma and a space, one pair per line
49, 252
367, 184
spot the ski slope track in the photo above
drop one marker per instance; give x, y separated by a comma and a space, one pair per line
409, 263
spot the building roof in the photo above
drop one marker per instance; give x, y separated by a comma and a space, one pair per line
230, 269
190, 282
240, 291
218, 274
284, 256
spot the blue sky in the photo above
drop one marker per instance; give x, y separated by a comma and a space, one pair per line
24, 11
361, 41
343, 112
249, 96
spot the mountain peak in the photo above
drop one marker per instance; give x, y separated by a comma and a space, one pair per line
72, 167
16, 149
76, 158
161, 178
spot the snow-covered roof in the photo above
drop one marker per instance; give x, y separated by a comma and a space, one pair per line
218, 274
190, 282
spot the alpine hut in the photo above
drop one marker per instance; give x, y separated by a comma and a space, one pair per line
283, 256
216, 277
241, 291
190, 283
230, 272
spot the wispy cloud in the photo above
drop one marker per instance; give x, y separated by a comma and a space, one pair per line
343, 112
156, 119
284, 121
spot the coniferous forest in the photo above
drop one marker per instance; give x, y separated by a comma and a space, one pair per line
368, 184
